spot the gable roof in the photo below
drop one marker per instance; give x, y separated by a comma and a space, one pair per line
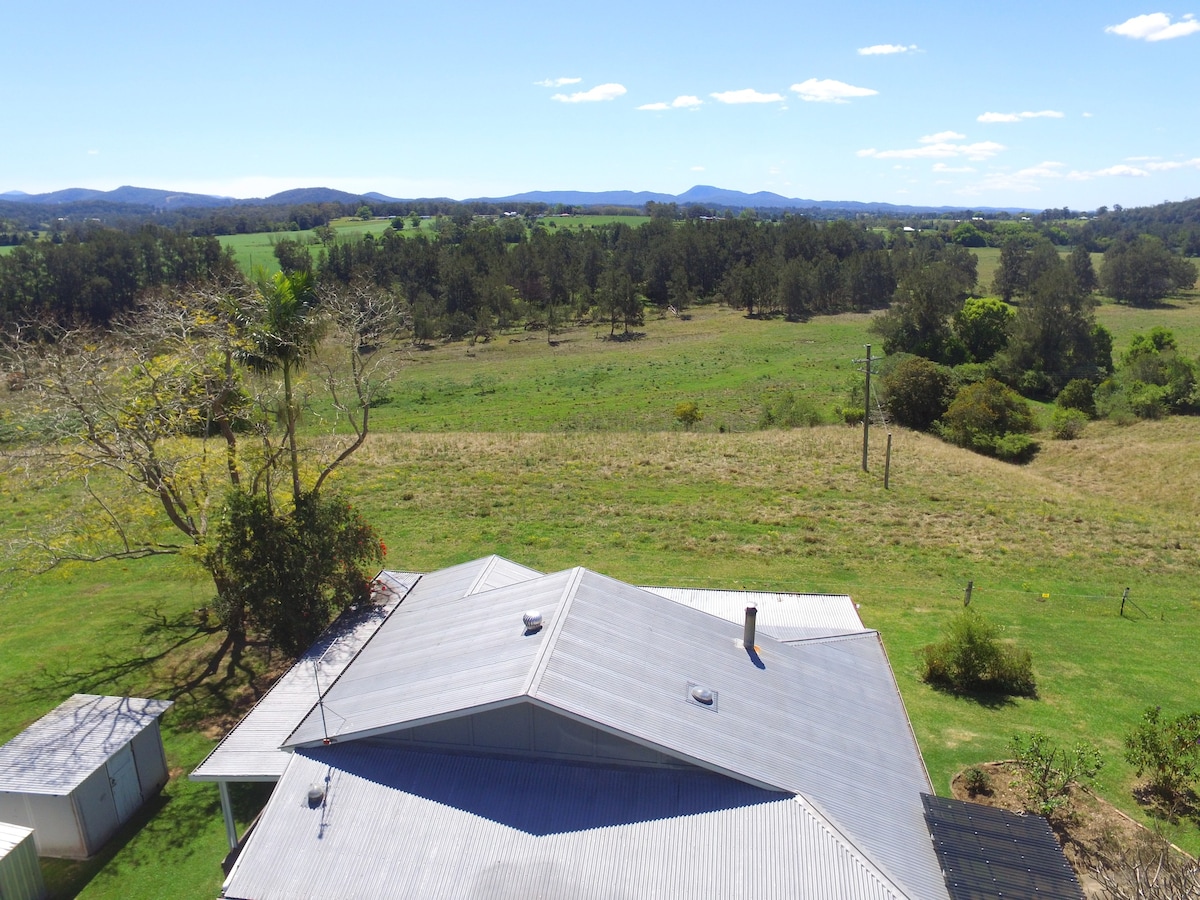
60, 750
821, 719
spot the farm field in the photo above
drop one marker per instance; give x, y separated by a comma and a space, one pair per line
565, 455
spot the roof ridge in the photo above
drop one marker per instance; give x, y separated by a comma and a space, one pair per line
877, 869
542, 659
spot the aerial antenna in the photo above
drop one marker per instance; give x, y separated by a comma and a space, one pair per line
320, 699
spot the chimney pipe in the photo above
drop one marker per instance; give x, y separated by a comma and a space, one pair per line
748, 634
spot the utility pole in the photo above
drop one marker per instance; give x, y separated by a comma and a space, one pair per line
867, 410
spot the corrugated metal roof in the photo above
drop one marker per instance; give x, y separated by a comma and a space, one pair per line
57, 752
822, 718
784, 616
11, 836
444, 651
251, 751
400, 823
993, 853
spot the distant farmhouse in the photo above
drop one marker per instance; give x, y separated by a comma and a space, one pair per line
488, 731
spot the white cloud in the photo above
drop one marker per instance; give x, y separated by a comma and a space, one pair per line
684, 101
1155, 27
1087, 115
1017, 117
1169, 166
1023, 181
885, 49
598, 93
93, 153
941, 137
557, 82
942, 167
697, 168
978, 151
826, 90
1120, 171
746, 95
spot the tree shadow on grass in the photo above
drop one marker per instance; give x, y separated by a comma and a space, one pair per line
173, 658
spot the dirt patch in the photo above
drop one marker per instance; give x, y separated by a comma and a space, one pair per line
1087, 836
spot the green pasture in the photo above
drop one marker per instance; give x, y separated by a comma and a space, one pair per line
563, 450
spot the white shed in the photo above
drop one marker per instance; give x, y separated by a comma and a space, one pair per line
20, 874
81, 771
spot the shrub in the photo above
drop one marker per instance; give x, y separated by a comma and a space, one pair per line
1067, 424
1168, 749
977, 781
971, 658
1078, 394
688, 414
916, 392
852, 415
1046, 772
983, 415
789, 411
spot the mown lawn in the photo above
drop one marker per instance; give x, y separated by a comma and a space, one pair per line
568, 455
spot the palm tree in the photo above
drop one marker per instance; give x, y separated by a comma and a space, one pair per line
282, 331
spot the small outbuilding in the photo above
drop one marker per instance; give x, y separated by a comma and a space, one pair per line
80, 772
20, 874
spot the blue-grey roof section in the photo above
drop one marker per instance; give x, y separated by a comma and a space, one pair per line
398, 823
251, 751
58, 752
784, 616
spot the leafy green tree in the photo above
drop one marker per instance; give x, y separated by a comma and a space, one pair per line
985, 417
983, 324
283, 328
1142, 270
916, 392
1080, 261
1167, 749
918, 321
1052, 335
286, 573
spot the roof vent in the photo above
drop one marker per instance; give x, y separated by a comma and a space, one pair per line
704, 696
533, 621
316, 794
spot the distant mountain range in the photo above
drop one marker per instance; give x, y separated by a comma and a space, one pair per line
704, 195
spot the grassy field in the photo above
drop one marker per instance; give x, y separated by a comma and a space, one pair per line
568, 455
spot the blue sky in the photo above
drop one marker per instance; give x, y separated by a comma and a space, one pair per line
1044, 104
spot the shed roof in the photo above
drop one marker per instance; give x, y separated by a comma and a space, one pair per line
59, 751
11, 836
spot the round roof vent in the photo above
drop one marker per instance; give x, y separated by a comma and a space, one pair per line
702, 695
316, 793
532, 620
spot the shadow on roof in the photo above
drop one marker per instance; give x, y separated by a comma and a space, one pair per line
536, 796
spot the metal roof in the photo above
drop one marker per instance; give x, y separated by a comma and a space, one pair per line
784, 616
11, 836
251, 751
993, 853
404, 823
821, 718
59, 751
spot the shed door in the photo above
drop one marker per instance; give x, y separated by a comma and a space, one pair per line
122, 775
